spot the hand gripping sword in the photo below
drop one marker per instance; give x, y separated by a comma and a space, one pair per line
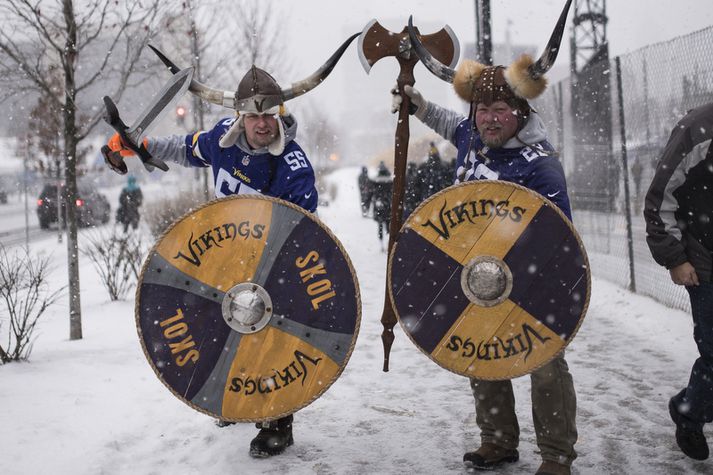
133, 136
377, 42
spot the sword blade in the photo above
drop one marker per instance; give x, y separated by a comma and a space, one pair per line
161, 102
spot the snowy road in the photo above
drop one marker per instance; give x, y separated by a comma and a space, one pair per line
95, 407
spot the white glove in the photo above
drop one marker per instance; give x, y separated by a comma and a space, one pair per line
418, 103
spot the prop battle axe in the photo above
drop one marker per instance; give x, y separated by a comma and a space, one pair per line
377, 42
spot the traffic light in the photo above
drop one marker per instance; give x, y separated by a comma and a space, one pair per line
180, 115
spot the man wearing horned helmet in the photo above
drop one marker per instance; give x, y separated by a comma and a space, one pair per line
503, 138
253, 152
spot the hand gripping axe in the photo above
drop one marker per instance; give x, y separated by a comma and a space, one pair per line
377, 42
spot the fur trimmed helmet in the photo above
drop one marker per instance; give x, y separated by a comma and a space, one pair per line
477, 83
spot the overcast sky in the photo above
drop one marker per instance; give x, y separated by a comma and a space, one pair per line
632, 23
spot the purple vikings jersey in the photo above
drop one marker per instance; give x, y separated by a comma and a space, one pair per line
288, 176
534, 166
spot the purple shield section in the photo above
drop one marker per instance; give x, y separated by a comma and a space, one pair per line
311, 282
425, 283
183, 334
550, 278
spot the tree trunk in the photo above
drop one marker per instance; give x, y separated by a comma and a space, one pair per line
70, 171
198, 110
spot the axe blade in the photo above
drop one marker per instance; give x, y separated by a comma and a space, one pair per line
376, 42
443, 45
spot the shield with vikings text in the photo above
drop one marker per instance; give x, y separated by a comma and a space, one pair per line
489, 279
248, 308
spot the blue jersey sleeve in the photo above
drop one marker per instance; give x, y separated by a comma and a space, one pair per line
203, 145
547, 178
294, 179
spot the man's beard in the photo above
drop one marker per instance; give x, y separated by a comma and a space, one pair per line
492, 141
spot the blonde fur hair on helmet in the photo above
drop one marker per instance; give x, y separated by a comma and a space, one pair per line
466, 78
469, 83
521, 82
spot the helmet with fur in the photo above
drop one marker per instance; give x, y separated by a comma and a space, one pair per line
516, 84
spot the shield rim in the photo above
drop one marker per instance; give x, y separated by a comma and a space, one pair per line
305, 213
548, 202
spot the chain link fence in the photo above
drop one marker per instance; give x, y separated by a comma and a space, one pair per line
611, 123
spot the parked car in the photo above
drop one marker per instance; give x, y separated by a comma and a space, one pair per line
92, 207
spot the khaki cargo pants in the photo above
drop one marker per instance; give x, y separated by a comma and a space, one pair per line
554, 409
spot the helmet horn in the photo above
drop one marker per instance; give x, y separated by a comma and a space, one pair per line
212, 95
309, 83
436, 67
545, 62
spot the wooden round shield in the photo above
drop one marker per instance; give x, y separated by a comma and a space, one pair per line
489, 279
248, 308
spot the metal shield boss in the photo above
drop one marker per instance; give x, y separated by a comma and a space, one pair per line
248, 308
489, 279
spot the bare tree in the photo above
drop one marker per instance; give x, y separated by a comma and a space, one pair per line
117, 259
42, 41
25, 296
256, 38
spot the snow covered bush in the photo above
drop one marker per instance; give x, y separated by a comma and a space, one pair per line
160, 214
24, 296
117, 258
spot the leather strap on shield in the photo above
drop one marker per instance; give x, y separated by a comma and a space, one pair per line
489, 279
248, 308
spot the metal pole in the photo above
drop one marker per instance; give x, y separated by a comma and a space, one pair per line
484, 44
487, 34
627, 200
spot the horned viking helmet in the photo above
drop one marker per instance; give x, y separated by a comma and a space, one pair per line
257, 85
477, 83
258, 93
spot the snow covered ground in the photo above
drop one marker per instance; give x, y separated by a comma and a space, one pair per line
94, 406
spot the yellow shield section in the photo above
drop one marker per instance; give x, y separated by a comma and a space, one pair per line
484, 209
216, 249
283, 372
501, 343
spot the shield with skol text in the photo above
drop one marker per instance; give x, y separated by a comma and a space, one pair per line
489, 279
248, 308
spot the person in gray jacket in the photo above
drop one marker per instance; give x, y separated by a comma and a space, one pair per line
679, 231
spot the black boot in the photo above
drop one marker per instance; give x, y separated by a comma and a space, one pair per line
274, 437
490, 456
689, 435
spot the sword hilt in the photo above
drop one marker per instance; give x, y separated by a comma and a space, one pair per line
114, 120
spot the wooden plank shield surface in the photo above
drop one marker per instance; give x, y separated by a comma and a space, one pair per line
248, 308
489, 279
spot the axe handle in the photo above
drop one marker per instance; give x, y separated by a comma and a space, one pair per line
388, 317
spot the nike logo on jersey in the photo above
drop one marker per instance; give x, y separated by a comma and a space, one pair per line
307, 195
552, 195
